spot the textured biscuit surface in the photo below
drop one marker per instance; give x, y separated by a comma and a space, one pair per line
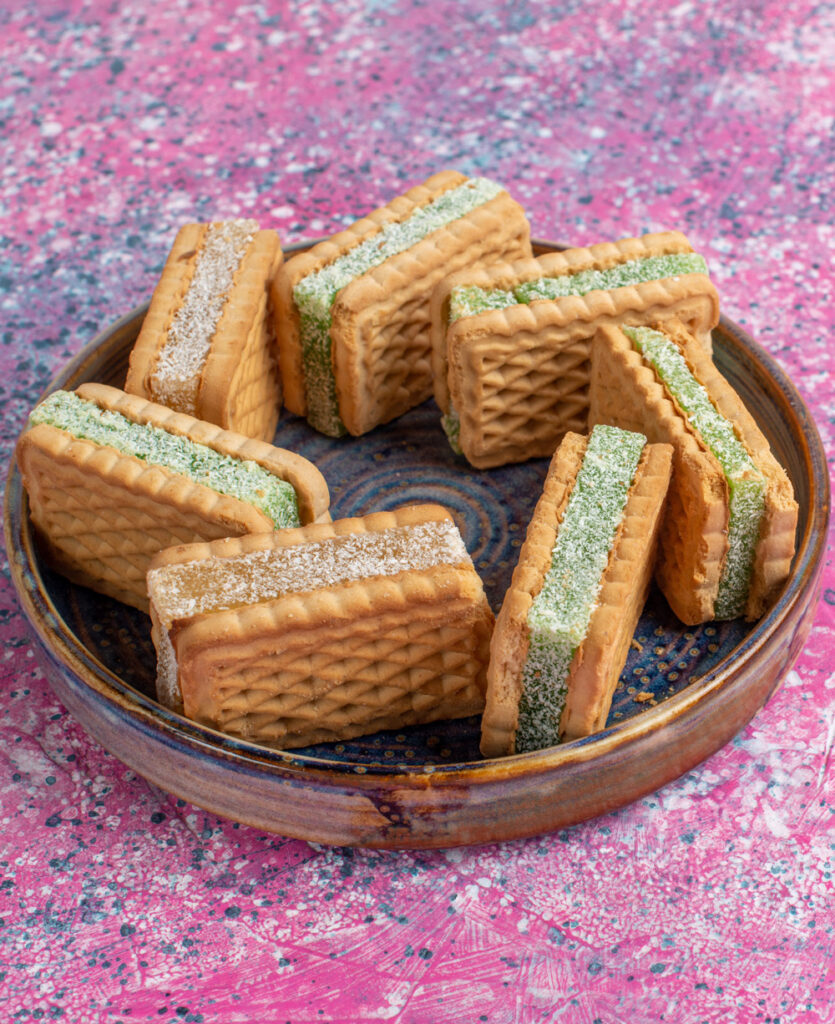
504, 275
626, 392
381, 350
509, 645
103, 515
597, 664
600, 658
518, 377
239, 387
336, 662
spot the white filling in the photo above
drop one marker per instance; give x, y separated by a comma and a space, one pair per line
216, 584
176, 377
168, 688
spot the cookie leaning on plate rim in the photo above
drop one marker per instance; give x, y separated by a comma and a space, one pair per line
535, 786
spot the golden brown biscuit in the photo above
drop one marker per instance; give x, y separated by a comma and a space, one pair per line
103, 512
207, 345
626, 390
324, 632
366, 359
578, 704
510, 381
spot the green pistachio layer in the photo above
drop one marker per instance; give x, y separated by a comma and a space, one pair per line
237, 478
470, 300
315, 294
746, 485
558, 619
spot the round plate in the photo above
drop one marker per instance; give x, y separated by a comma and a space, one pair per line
682, 695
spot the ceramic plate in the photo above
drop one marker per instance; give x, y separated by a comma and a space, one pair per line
682, 695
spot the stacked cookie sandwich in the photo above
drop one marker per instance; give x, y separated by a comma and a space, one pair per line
324, 632
113, 479
511, 342
353, 312
207, 344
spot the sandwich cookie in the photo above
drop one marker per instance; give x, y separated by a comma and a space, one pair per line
207, 345
728, 535
324, 632
511, 342
563, 632
112, 479
353, 312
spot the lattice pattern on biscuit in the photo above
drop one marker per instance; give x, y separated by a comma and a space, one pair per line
255, 392
532, 393
406, 673
347, 659
106, 533
626, 393
396, 358
520, 379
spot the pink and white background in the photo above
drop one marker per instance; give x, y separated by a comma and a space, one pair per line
710, 901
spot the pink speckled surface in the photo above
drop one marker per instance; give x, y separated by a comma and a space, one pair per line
710, 901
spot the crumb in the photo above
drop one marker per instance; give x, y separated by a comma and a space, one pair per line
634, 643
643, 696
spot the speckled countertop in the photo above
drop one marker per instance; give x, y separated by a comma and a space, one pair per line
709, 901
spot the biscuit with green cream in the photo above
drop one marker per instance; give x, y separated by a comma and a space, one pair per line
353, 312
112, 479
510, 343
727, 540
565, 625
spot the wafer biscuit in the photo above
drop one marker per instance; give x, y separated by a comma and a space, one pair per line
352, 314
565, 625
510, 342
112, 479
324, 632
728, 535
207, 345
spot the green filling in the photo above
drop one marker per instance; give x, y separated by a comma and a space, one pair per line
451, 423
558, 619
746, 485
315, 294
237, 478
470, 300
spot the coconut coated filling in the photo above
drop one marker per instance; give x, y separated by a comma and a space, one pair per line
316, 293
236, 478
746, 484
182, 590
175, 380
558, 619
470, 300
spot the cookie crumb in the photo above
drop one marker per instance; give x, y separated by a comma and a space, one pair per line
643, 696
634, 643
